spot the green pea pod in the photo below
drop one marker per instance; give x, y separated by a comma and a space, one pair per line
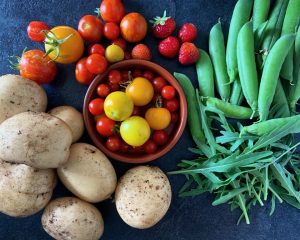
270, 74
236, 93
230, 110
241, 15
260, 12
258, 35
247, 66
217, 54
194, 120
280, 102
205, 75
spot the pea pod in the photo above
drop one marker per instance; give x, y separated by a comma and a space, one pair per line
205, 75
240, 16
260, 12
247, 66
236, 93
193, 112
271, 72
280, 102
258, 39
217, 53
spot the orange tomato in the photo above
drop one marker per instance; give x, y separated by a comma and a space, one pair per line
158, 118
133, 27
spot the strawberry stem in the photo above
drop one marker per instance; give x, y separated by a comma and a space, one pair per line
160, 20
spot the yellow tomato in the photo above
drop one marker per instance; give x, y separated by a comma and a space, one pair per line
70, 50
135, 131
118, 106
140, 91
114, 53
158, 118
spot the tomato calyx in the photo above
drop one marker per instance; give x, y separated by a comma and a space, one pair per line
14, 61
97, 11
125, 84
159, 102
160, 20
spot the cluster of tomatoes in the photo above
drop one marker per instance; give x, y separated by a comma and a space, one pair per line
135, 111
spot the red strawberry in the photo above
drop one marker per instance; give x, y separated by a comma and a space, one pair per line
187, 33
141, 51
163, 26
169, 47
188, 53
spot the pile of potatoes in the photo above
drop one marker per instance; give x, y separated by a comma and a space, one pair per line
36, 146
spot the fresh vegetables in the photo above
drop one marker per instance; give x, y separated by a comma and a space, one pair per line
133, 27
140, 90
96, 63
260, 12
163, 26
82, 74
111, 31
36, 31
105, 126
112, 10
114, 53
158, 118
90, 28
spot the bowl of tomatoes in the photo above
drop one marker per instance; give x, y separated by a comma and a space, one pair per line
135, 112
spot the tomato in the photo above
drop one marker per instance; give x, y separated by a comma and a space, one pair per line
105, 126
174, 117
96, 106
158, 118
96, 48
158, 84
133, 27
112, 10
67, 52
35, 31
120, 42
124, 148
113, 143
34, 66
139, 149
168, 92
150, 147
125, 75
149, 75
118, 106
172, 105
140, 90
137, 73
114, 77
160, 137
111, 31
82, 74
114, 53
103, 90
135, 131
90, 28
96, 63
114, 87
156, 98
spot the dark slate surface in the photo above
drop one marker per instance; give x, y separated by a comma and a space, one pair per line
187, 218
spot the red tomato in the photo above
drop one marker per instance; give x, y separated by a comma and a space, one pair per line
96, 48
105, 126
160, 137
34, 31
90, 28
113, 143
133, 27
139, 149
174, 117
82, 74
150, 147
172, 105
114, 87
112, 10
137, 73
34, 66
96, 106
125, 75
120, 42
114, 77
96, 63
168, 92
158, 84
103, 90
124, 148
149, 75
111, 31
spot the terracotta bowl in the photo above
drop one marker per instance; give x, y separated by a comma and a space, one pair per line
175, 133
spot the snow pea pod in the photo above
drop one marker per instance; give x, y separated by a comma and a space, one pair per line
260, 12
280, 102
236, 93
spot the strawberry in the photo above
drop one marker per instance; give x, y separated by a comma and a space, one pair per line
188, 53
187, 33
163, 26
169, 47
141, 51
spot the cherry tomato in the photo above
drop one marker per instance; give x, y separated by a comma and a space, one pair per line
114, 53
133, 27
34, 31
124, 148
105, 126
120, 42
168, 92
158, 84
112, 10
114, 77
137, 73
160, 137
114, 87
82, 74
174, 117
96, 63
90, 28
34, 66
149, 75
103, 90
96, 106
158, 118
113, 143
96, 48
140, 90
172, 105
139, 149
150, 147
125, 75
111, 31
136, 111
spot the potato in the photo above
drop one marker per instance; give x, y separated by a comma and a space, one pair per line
143, 196
72, 118
18, 95
24, 190
88, 173
72, 218
35, 139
